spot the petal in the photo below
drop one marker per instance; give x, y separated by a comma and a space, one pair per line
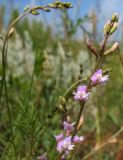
82, 88
94, 78
104, 78
99, 71
68, 127
59, 137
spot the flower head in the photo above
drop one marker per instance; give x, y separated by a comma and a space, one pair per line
59, 137
97, 77
68, 127
81, 94
65, 145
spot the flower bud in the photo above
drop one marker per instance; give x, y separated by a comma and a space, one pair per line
112, 49
34, 12
114, 17
52, 5
107, 28
91, 47
80, 122
11, 32
113, 29
67, 4
62, 100
46, 9
115, 47
26, 8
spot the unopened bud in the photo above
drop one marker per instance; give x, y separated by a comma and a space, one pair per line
60, 6
80, 122
107, 28
113, 29
26, 8
62, 100
57, 2
46, 9
91, 47
11, 32
112, 49
67, 4
61, 108
34, 12
115, 46
114, 17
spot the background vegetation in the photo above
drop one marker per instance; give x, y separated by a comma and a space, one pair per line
42, 63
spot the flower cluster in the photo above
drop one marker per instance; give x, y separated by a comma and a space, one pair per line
65, 143
82, 93
98, 78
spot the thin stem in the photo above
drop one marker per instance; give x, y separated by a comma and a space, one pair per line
101, 54
59, 156
8, 108
3, 82
103, 144
68, 92
4, 55
78, 119
120, 57
32, 77
83, 103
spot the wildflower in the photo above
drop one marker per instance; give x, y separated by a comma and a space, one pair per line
81, 94
68, 127
65, 145
98, 78
59, 137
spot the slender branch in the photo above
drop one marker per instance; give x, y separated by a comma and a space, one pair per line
103, 144
78, 119
120, 57
8, 107
101, 52
83, 103
68, 92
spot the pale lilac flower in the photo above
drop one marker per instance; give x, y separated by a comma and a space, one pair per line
59, 137
81, 94
42, 157
78, 139
68, 127
98, 77
65, 145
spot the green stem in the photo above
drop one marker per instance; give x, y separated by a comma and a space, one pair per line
78, 119
83, 103
101, 56
7, 103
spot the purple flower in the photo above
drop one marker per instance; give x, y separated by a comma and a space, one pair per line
98, 78
65, 145
42, 157
81, 94
78, 139
68, 127
59, 137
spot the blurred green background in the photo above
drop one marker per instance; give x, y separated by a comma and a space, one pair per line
46, 55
